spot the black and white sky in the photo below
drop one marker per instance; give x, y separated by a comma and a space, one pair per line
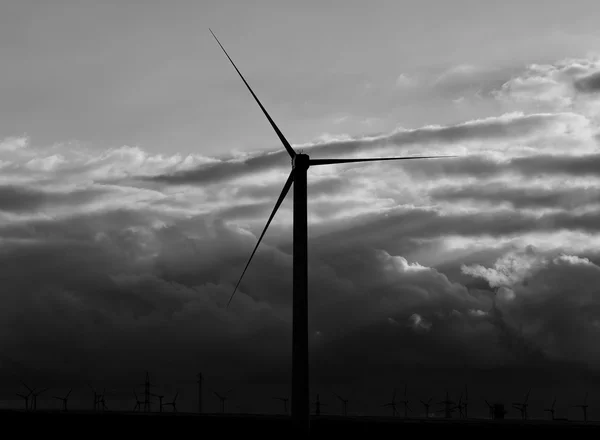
136, 173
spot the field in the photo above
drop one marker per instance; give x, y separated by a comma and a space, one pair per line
115, 423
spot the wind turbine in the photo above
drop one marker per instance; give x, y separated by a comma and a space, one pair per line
344, 404
64, 399
160, 400
285, 403
222, 398
26, 399
392, 403
405, 402
583, 407
490, 408
466, 402
448, 408
173, 403
138, 402
300, 163
522, 407
427, 405
551, 409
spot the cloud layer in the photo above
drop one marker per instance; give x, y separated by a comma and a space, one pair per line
118, 262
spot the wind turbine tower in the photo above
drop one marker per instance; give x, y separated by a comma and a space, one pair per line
522, 407
583, 407
344, 404
199, 382
298, 176
392, 403
427, 405
551, 409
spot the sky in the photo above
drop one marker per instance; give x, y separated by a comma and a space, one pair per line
137, 174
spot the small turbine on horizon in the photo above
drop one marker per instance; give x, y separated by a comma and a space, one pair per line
448, 406
173, 403
222, 398
285, 403
583, 407
427, 405
405, 402
300, 163
392, 404
522, 407
551, 409
344, 404
64, 399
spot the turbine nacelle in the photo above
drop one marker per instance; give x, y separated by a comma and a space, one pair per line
301, 161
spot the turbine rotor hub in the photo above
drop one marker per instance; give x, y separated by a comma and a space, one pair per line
301, 161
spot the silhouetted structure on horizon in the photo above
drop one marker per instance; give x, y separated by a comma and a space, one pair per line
298, 176
427, 405
318, 405
285, 402
222, 398
522, 407
551, 409
583, 407
199, 381
392, 403
448, 406
138, 402
160, 400
344, 404
405, 402
64, 399
172, 403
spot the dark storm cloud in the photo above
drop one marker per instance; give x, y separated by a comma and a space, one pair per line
588, 84
486, 129
27, 199
520, 197
537, 165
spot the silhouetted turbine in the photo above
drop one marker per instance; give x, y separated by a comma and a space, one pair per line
551, 409
285, 402
405, 402
490, 408
392, 403
138, 402
64, 399
173, 403
466, 402
344, 404
583, 407
26, 399
160, 400
522, 407
427, 405
300, 165
222, 399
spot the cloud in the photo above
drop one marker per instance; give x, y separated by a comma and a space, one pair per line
489, 260
405, 81
589, 83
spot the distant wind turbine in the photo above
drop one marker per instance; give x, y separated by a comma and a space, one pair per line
392, 403
300, 164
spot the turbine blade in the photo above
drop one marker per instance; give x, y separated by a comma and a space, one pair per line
282, 138
313, 162
284, 192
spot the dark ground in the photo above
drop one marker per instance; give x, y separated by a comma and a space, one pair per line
115, 423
